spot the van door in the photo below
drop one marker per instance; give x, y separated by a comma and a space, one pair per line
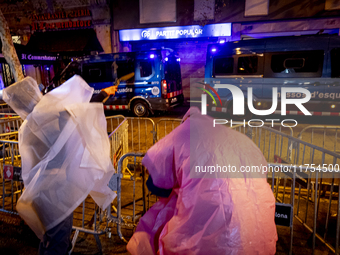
98, 75
122, 66
172, 74
145, 76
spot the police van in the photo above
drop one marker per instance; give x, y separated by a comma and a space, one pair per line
155, 86
263, 65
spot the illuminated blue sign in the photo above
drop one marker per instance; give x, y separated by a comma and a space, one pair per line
161, 33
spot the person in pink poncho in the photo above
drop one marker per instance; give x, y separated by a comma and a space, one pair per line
206, 212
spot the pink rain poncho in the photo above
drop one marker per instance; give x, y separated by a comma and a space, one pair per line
64, 148
206, 213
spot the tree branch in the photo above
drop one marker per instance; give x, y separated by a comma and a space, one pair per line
8, 49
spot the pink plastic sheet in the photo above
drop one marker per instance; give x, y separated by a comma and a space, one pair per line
206, 215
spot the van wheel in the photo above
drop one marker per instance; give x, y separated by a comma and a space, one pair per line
247, 114
140, 109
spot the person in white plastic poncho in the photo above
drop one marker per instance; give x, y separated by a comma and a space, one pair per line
205, 212
64, 149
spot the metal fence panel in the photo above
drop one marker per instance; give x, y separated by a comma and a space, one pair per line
6, 111
165, 126
11, 124
326, 136
10, 164
141, 132
133, 200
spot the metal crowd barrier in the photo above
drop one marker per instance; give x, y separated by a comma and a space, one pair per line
287, 153
10, 164
89, 218
141, 132
119, 143
6, 111
307, 165
165, 126
311, 198
11, 124
113, 122
136, 203
129, 134
327, 135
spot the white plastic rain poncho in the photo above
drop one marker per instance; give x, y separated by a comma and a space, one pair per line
205, 214
64, 149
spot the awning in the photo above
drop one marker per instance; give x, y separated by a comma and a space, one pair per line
68, 42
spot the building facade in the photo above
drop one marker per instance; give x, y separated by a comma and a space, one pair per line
48, 34
51, 33
162, 23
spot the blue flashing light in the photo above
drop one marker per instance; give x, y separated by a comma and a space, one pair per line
166, 59
152, 55
178, 59
47, 68
222, 41
213, 50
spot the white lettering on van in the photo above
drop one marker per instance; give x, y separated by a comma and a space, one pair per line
125, 90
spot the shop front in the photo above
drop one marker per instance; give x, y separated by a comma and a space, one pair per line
50, 39
40, 66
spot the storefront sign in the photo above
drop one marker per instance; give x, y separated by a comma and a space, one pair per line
33, 57
61, 25
38, 21
161, 33
61, 15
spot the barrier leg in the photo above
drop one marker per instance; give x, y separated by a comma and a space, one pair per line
74, 240
292, 196
143, 190
99, 244
337, 225
315, 210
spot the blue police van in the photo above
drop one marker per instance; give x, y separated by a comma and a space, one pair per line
308, 62
155, 86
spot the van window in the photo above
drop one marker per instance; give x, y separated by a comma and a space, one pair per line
296, 62
125, 67
145, 68
247, 65
72, 69
223, 66
335, 62
97, 72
